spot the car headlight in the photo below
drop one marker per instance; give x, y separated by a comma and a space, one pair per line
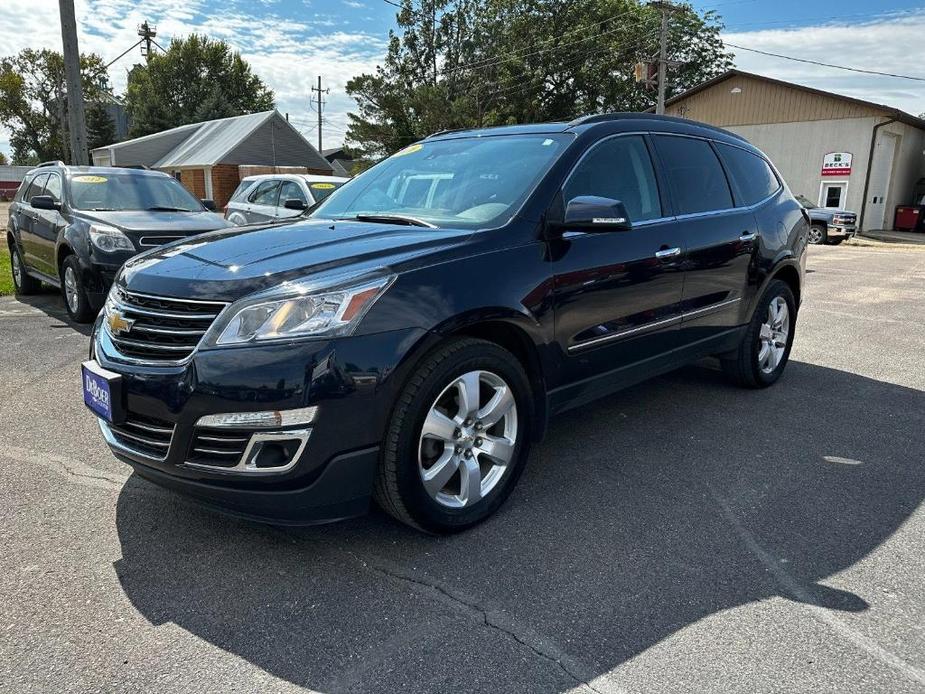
109, 239
304, 311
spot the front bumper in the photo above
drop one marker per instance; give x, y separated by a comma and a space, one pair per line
842, 231
352, 381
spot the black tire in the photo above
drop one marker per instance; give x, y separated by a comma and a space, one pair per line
818, 235
82, 311
399, 487
742, 365
24, 283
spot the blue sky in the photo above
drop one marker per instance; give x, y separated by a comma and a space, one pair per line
290, 42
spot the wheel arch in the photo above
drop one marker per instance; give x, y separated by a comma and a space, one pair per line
789, 274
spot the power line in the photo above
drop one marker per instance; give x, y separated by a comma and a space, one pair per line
832, 65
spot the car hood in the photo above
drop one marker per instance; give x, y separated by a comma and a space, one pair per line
228, 264
145, 221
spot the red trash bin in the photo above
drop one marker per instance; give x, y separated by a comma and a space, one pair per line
908, 217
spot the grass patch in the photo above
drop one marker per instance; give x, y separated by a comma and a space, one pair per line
6, 274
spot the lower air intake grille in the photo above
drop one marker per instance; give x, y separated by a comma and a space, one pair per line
147, 435
218, 447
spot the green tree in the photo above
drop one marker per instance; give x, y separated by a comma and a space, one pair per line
3, 160
101, 129
462, 63
196, 79
33, 104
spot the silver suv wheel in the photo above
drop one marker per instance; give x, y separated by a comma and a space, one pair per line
468, 439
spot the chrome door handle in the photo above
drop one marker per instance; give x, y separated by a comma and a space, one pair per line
667, 253
748, 236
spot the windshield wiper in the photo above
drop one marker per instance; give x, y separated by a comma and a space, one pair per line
394, 219
159, 208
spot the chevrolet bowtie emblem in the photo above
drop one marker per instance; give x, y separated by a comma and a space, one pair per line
119, 324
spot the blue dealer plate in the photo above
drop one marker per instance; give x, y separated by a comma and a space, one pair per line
100, 389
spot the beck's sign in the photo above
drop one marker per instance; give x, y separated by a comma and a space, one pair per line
836, 164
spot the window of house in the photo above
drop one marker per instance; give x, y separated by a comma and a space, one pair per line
698, 182
620, 169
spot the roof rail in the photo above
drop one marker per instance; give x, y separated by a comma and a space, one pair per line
57, 162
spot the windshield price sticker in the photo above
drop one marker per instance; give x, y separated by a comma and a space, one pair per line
321, 186
409, 150
89, 179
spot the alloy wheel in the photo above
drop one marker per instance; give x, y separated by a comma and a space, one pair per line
17, 269
773, 335
71, 292
815, 235
468, 438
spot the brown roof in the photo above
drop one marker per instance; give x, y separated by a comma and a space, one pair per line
899, 115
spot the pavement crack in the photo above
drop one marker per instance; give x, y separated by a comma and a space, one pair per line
537, 645
79, 472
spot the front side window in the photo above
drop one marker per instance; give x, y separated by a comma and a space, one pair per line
698, 182
266, 193
53, 187
753, 177
130, 191
36, 187
291, 191
469, 182
620, 169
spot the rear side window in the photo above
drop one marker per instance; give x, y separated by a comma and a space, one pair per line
753, 178
23, 187
698, 182
620, 169
240, 191
265, 193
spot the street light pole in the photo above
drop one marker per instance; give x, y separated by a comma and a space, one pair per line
77, 123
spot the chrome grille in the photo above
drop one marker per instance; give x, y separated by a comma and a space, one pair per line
218, 447
147, 435
163, 329
158, 240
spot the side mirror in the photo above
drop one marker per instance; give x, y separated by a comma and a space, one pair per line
595, 214
295, 204
208, 204
44, 202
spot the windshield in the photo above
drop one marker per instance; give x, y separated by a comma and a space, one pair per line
466, 183
126, 191
805, 203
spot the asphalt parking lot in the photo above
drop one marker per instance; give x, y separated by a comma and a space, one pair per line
683, 535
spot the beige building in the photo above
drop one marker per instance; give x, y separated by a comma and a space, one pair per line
835, 150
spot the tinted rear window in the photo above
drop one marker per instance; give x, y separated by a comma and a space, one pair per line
753, 178
698, 182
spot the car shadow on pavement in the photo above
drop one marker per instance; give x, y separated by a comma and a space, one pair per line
49, 302
636, 517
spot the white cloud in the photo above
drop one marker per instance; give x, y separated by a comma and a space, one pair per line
288, 53
888, 44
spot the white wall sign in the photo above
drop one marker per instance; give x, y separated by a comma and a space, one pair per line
836, 164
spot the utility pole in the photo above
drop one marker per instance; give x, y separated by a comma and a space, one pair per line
320, 106
665, 6
77, 123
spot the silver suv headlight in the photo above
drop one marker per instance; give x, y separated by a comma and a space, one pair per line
109, 239
297, 309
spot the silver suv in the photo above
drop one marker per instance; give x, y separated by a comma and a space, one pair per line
265, 198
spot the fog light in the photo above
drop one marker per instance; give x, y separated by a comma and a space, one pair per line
270, 419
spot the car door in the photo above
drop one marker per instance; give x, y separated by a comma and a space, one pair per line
720, 237
617, 294
262, 202
290, 190
45, 227
31, 245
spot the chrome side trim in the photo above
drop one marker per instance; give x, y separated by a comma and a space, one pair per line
657, 324
246, 463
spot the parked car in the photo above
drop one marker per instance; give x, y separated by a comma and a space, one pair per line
412, 337
271, 197
829, 225
74, 226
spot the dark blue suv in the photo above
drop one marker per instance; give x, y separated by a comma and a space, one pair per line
409, 339
73, 227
